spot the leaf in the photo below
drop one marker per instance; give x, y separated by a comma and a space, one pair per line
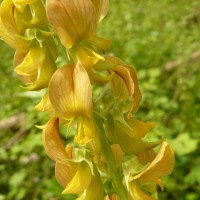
184, 144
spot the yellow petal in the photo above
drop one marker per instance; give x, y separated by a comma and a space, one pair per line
18, 59
80, 181
8, 29
161, 166
23, 2
146, 156
132, 145
135, 128
138, 194
65, 172
96, 78
7, 16
101, 8
39, 18
70, 92
129, 76
125, 80
109, 62
86, 130
34, 58
118, 86
99, 43
95, 189
45, 104
72, 20
45, 72
52, 141
21, 17
84, 55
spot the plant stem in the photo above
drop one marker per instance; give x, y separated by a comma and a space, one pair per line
116, 175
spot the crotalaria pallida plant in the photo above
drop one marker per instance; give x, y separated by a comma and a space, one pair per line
93, 94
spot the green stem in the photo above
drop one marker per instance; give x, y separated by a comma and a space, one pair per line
116, 175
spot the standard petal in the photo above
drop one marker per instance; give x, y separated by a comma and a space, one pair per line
53, 143
80, 181
72, 20
7, 16
65, 172
146, 156
70, 92
118, 86
101, 8
61, 92
129, 76
161, 166
83, 91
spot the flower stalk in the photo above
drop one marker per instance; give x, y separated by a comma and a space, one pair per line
115, 173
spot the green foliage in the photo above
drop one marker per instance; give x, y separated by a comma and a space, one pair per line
161, 39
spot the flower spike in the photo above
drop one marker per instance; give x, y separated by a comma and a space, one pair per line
93, 97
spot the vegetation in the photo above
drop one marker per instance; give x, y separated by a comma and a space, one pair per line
161, 39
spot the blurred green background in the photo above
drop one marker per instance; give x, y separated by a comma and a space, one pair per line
161, 39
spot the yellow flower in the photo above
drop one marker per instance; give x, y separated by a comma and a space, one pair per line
142, 173
75, 22
70, 93
123, 80
130, 135
36, 67
9, 31
160, 166
16, 17
74, 167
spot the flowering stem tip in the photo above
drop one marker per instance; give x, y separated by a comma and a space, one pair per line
93, 94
